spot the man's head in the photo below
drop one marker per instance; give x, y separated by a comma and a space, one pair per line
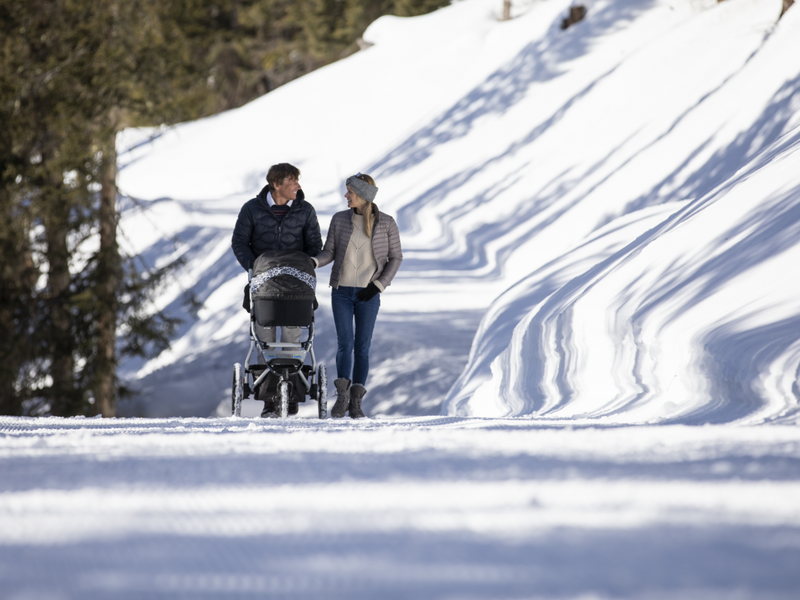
283, 180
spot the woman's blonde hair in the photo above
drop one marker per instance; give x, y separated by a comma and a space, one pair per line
369, 214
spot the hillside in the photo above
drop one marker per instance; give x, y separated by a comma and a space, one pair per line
618, 202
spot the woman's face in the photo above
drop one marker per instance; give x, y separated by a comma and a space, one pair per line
353, 201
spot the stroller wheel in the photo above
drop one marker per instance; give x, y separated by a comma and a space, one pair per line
237, 393
322, 391
283, 396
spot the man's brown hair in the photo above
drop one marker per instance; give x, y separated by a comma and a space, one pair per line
277, 173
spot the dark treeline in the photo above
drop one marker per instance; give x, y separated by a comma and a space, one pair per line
73, 73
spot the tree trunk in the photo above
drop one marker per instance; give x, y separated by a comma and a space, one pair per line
108, 280
63, 395
10, 281
506, 10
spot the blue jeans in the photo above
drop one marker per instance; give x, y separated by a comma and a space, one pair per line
353, 340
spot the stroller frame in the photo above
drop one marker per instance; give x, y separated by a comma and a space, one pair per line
283, 360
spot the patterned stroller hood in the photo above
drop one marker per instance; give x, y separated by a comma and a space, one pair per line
283, 275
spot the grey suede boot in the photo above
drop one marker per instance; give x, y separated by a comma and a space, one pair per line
269, 411
342, 398
357, 392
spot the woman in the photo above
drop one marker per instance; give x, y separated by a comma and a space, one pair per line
364, 245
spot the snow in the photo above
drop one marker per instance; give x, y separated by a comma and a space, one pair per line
615, 203
434, 507
585, 375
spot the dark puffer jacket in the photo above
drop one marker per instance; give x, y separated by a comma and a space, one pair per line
257, 229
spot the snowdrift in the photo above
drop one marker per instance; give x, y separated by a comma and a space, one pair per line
691, 313
620, 198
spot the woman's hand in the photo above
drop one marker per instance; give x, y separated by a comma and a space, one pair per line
368, 293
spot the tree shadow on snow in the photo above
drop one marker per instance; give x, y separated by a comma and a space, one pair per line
647, 562
734, 358
759, 142
537, 62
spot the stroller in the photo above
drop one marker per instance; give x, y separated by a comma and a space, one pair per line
281, 293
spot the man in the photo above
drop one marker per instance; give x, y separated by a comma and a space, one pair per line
277, 219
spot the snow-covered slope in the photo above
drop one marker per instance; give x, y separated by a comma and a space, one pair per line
620, 199
691, 314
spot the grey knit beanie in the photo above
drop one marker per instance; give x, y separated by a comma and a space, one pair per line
362, 188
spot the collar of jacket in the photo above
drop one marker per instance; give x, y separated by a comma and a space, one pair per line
262, 198
375, 212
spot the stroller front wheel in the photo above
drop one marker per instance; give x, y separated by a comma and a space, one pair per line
322, 391
283, 396
237, 393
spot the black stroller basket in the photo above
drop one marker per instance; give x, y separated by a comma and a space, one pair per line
283, 313
282, 288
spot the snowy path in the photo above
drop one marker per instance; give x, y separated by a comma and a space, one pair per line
426, 507
415, 358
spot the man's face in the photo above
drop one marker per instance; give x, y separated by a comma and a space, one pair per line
285, 190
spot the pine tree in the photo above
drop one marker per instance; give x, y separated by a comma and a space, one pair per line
72, 75
255, 46
18, 276
44, 143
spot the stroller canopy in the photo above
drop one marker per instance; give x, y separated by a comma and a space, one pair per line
283, 275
